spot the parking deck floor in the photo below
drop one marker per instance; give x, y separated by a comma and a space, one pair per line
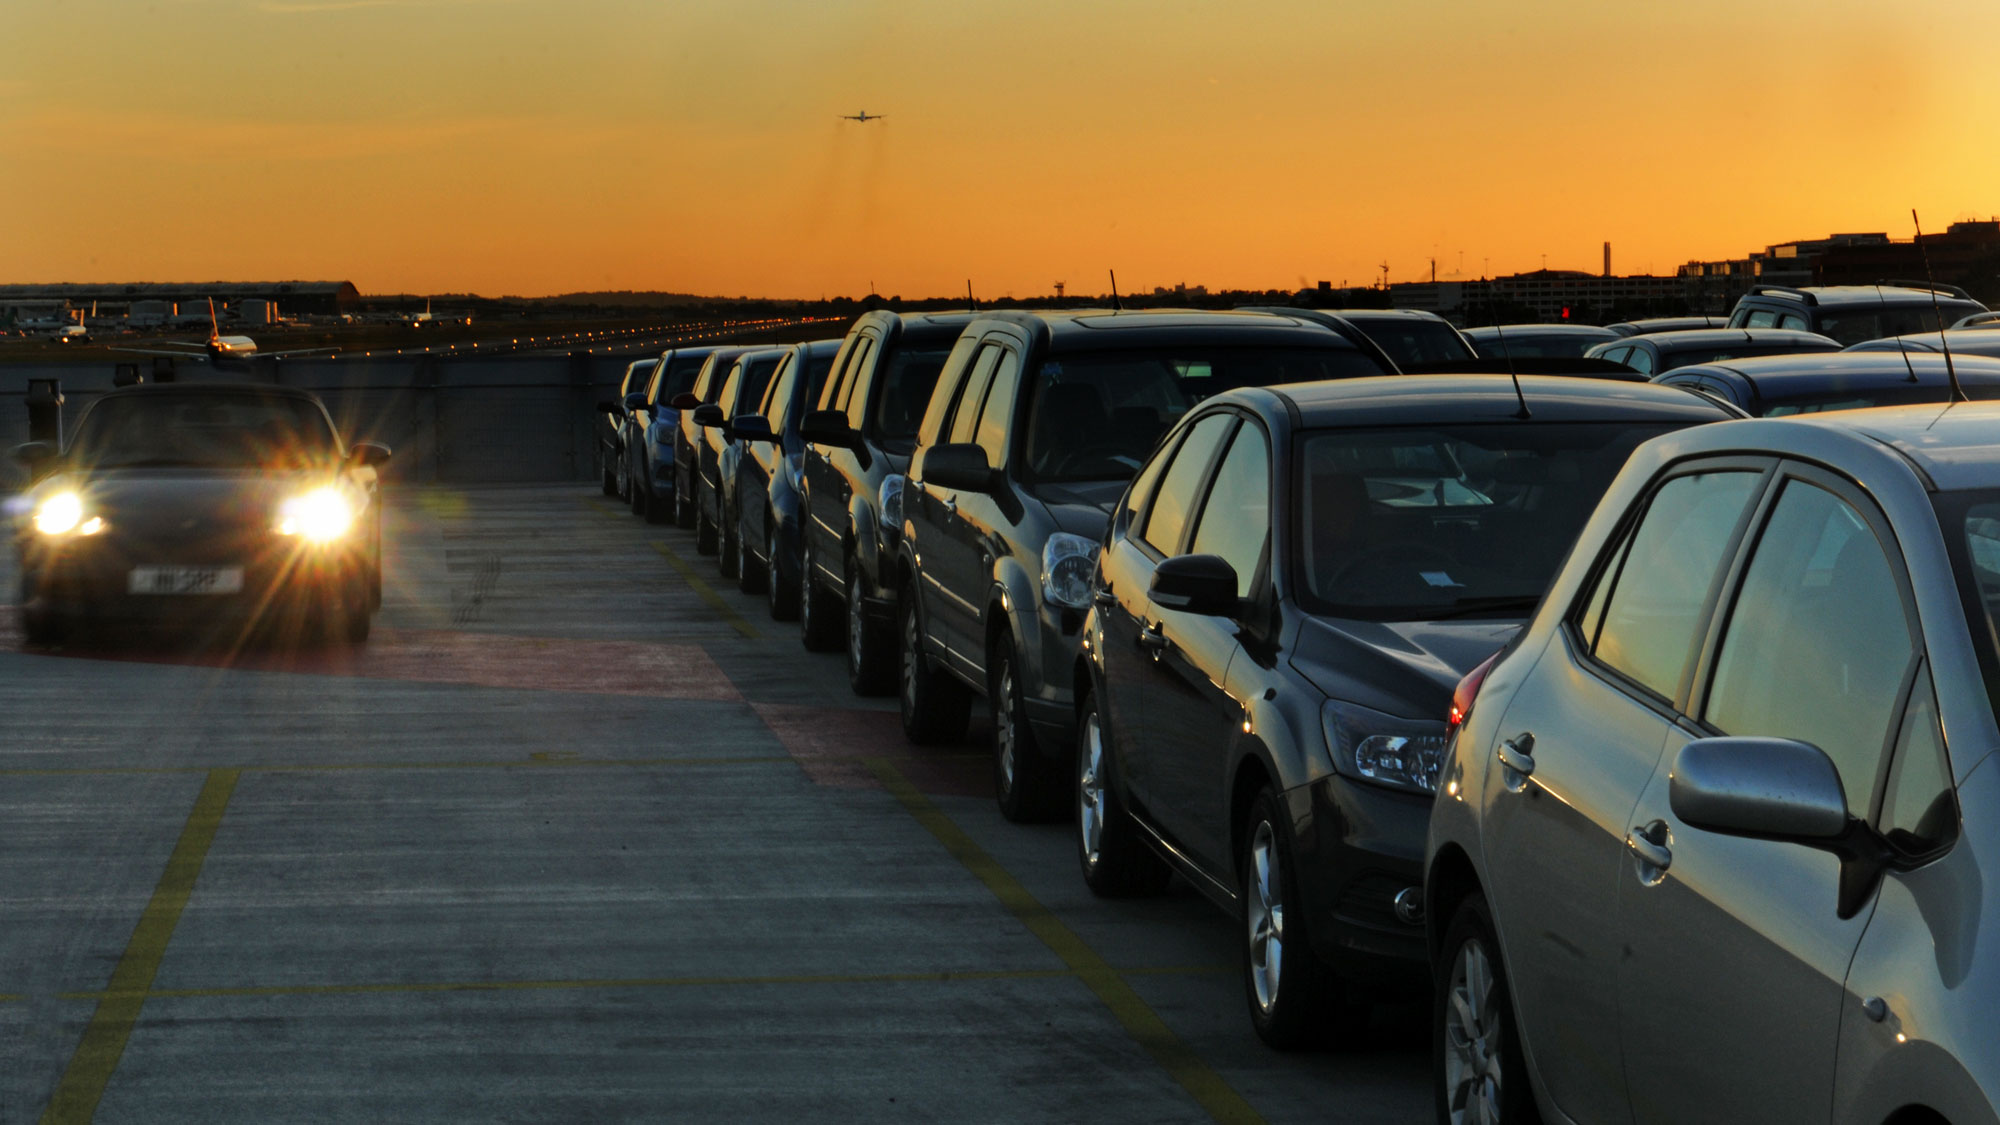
581, 834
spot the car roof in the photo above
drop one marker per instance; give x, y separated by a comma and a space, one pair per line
1861, 295
1084, 330
1780, 376
1696, 338
1495, 331
1444, 399
1957, 447
815, 347
1385, 314
920, 327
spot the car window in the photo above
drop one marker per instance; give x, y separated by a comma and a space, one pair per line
678, 380
1616, 355
944, 395
971, 393
850, 378
794, 402
904, 392
1817, 643
1235, 520
726, 398
1168, 516
756, 380
1792, 320
998, 411
709, 385
220, 430
1654, 609
1641, 360
1142, 488
1761, 318
780, 390
1919, 813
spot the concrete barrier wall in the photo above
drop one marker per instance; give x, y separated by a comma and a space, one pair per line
505, 419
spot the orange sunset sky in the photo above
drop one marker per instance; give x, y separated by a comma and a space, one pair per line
541, 146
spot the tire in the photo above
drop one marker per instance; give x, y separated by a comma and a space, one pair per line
624, 481
704, 530
780, 596
935, 706
1115, 860
1476, 1052
1293, 997
819, 613
1028, 785
729, 540
610, 482
871, 652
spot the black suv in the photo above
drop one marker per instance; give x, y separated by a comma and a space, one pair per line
1036, 425
859, 441
1853, 313
687, 435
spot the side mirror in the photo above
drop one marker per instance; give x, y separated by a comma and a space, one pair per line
1204, 584
369, 453
828, 427
1770, 788
684, 401
752, 427
960, 466
708, 415
635, 401
35, 455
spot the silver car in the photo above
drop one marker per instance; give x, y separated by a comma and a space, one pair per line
1713, 835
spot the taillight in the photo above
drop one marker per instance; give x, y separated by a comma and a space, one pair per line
1466, 692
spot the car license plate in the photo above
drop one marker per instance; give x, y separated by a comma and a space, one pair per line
185, 580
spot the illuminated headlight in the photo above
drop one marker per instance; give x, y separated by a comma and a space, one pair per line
59, 514
889, 504
320, 516
1396, 752
1068, 561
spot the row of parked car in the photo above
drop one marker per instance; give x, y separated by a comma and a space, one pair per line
1645, 735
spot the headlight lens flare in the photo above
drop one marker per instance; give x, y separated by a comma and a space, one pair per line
319, 516
59, 514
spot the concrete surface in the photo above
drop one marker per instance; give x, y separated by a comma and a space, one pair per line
571, 840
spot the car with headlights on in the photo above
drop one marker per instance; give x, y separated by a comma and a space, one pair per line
1716, 836
858, 441
648, 433
1654, 352
192, 502
765, 500
1773, 386
1036, 425
719, 452
1287, 595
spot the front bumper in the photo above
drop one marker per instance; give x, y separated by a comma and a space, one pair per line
88, 577
1359, 846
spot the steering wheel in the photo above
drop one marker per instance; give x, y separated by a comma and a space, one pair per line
1409, 555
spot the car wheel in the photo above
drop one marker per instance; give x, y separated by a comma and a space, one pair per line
684, 505
1027, 784
819, 613
1292, 994
871, 661
704, 528
935, 706
624, 480
1116, 862
610, 475
1476, 1056
782, 596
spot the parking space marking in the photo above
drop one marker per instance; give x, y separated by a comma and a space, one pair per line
1144, 1025
335, 767
706, 592
836, 746
97, 1053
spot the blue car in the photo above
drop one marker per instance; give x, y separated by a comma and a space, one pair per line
650, 456
766, 494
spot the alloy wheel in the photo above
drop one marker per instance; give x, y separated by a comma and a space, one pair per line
912, 653
1472, 1053
1267, 916
1003, 723
856, 622
1090, 791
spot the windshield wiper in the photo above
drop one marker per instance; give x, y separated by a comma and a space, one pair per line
1465, 607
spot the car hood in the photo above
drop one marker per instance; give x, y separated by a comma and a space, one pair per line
1404, 668
165, 499
1082, 507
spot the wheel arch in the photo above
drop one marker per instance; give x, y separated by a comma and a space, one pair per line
1449, 879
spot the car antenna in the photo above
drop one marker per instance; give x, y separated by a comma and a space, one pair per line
1902, 345
1115, 306
1500, 335
970, 304
1944, 345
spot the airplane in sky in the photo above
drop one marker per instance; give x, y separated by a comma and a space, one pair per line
220, 348
864, 116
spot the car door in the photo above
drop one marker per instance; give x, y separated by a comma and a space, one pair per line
1191, 718
1578, 743
954, 579
1165, 669
1124, 568
1734, 954
828, 483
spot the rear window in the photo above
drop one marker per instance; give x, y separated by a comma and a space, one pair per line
1096, 415
1411, 342
1858, 325
203, 431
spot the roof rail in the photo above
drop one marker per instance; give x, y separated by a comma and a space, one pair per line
1928, 286
1800, 295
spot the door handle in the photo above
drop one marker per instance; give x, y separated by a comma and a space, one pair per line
949, 504
1649, 843
1104, 598
1517, 754
1151, 637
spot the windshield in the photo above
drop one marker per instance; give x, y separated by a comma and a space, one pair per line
207, 431
1410, 524
1411, 342
1096, 415
905, 392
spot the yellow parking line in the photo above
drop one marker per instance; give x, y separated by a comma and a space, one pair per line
103, 1041
1132, 1013
705, 591
335, 767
